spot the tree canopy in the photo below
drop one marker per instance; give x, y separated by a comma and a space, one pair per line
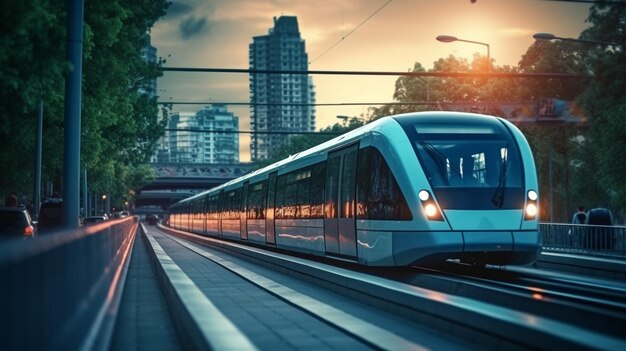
120, 118
576, 166
604, 100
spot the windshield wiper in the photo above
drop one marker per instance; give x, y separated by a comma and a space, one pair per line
441, 160
498, 196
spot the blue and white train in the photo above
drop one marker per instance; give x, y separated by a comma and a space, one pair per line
411, 189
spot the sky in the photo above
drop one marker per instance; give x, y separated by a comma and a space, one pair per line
217, 33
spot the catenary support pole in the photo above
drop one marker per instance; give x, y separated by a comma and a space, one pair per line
71, 150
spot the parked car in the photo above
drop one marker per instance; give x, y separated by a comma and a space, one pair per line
124, 214
93, 219
152, 219
15, 222
50, 216
600, 236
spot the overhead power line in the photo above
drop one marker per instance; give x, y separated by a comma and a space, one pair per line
247, 131
352, 31
380, 73
297, 104
599, 2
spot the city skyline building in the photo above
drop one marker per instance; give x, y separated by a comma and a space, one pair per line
208, 136
279, 102
149, 54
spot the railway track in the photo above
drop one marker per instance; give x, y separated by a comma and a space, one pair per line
492, 308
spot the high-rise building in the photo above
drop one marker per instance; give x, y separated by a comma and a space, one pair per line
219, 147
279, 102
210, 137
149, 54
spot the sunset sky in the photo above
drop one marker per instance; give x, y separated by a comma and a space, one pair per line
216, 34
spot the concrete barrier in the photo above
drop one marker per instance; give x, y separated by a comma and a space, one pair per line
58, 291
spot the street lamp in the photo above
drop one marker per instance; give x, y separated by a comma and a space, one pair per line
550, 37
450, 38
104, 199
344, 118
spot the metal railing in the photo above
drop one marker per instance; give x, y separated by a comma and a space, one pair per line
56, 289
584, 239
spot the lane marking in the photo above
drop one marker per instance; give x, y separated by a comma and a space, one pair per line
363, 330
217, 329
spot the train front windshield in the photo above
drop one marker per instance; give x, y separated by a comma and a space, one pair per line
471, 167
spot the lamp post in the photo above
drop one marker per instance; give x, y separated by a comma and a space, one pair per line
344, 118
450, 38
550, 37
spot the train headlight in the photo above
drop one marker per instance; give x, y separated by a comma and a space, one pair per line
431, 210
430, 207
530, 212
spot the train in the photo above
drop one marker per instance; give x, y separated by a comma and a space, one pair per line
411, 189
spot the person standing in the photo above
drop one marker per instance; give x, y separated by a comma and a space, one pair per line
580, 216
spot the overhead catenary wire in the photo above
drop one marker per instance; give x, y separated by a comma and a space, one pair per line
380, 73
285, 132
352, 31
297, 104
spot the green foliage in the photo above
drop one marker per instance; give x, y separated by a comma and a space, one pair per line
303, 142
565, 154
120, 124
430, 91
605, 101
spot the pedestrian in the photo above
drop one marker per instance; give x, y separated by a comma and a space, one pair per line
580, 216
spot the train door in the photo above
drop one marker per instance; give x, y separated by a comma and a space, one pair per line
244, 212
339, 204
205, 214
220, 214
269, 210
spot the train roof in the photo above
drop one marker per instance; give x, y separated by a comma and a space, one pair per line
442, 118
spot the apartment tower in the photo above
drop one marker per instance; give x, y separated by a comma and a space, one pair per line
280, 103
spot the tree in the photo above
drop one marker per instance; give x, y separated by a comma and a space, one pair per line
300, 143
432, 91
120, 118
552, 147
32, 68
604, 100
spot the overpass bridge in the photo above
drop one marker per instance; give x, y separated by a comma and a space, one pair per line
176, 181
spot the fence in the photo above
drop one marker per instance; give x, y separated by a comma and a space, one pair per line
54, 288
584, 239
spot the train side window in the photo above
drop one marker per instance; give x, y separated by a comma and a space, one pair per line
231, 208
213, 206
280, 196
332, 188
318, 180
300, 193
378, 195
256, 200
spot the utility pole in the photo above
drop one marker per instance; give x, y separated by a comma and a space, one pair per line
38, 153
71, 143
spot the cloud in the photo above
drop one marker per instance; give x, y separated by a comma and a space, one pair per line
191, 26
178, 9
